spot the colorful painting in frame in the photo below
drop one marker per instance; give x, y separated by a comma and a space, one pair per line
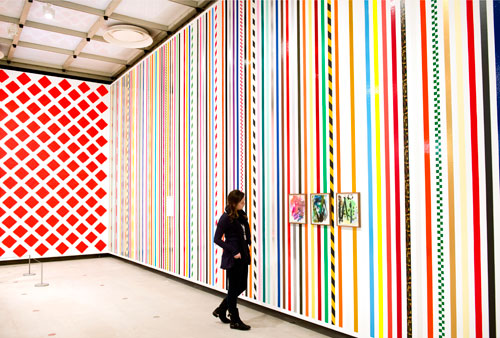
320, 209
348, 211
297, 208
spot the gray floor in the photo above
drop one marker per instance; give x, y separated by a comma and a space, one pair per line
106, 297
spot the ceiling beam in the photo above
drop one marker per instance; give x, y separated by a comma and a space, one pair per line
188, 3
22, 21
139, 22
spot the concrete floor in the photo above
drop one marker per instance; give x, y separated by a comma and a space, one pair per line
106, 297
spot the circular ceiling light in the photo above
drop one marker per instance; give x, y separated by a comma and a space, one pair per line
128, 36
49, 11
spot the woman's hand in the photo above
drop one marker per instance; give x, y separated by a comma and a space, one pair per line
238, 256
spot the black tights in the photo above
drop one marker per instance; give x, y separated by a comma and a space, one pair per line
237, 277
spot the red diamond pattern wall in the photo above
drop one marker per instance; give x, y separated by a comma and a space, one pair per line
53, 166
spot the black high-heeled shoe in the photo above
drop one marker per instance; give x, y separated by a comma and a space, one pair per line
236, 322
220, 312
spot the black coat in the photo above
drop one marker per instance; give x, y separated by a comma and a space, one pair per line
234, 239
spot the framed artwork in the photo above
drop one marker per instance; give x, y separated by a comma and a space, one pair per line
320, 209
348, 211
297, 208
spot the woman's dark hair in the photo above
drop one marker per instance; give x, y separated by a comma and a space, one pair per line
233, 199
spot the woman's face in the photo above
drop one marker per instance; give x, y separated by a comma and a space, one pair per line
241, 205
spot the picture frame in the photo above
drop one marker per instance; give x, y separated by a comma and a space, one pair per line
297, 208
348, 211
320, 209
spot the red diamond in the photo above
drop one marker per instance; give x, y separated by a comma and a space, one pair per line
101, 141
31, 202
63, 174
73, 130
10, 182
100, 245
92, 166
83, 122
21, 173
11, 125
101, 158
23, 98
82, 193
82, 210
54, 128
52, 202
12, 106
22, 135
91, 202
91, 219
91, 237
32, 183
83, 105
9, 241
101, 175
3, 95
54, 92
33, 145
44, 118
20, 231
81, 229
72, 238
72, 220
1, 232
73, 112
83, 157
93, 115
53, 165
44, 81
23, 117
32, 164
100, 228
3, 76
54, 110
2, 173
9, 222
21, 192
41, 230
43, 155
62, 211
31, 240
3, 114
44, 100
11, 143
64, 102
74, 95
20, 212
64, 84
54, 146
101, 124
41, 250
63, 156
31, 221
33, 126
42, 192
102, 107
52, 220
83, 139
73, 166
82, 247
100, 193
2, 251
82, 175
91, 184
34, 90
52, 239
63, 193
64, 120
73, 183
9, 202
93, 97
2, 153
23, 78
42, 211
12, 87
42, 174
63, 138
22, 154
62, 248
62, 229
20, 250
73, 147
83, 87
72, 202
92, 149
92, 132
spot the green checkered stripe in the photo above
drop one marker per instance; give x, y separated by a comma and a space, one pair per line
438, 165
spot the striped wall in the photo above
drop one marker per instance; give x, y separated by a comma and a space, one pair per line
396, 100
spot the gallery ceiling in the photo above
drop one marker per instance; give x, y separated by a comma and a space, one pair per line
67, 37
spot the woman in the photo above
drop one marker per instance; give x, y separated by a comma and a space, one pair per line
233, 225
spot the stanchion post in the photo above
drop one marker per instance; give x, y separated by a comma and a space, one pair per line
29, 268
41, 277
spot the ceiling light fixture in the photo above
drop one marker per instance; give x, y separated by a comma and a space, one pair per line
49, 11
128, 36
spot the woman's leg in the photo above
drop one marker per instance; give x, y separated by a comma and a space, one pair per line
233, 291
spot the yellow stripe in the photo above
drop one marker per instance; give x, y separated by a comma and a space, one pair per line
379, 176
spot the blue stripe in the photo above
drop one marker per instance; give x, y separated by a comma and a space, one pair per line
370, 174
278, 147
